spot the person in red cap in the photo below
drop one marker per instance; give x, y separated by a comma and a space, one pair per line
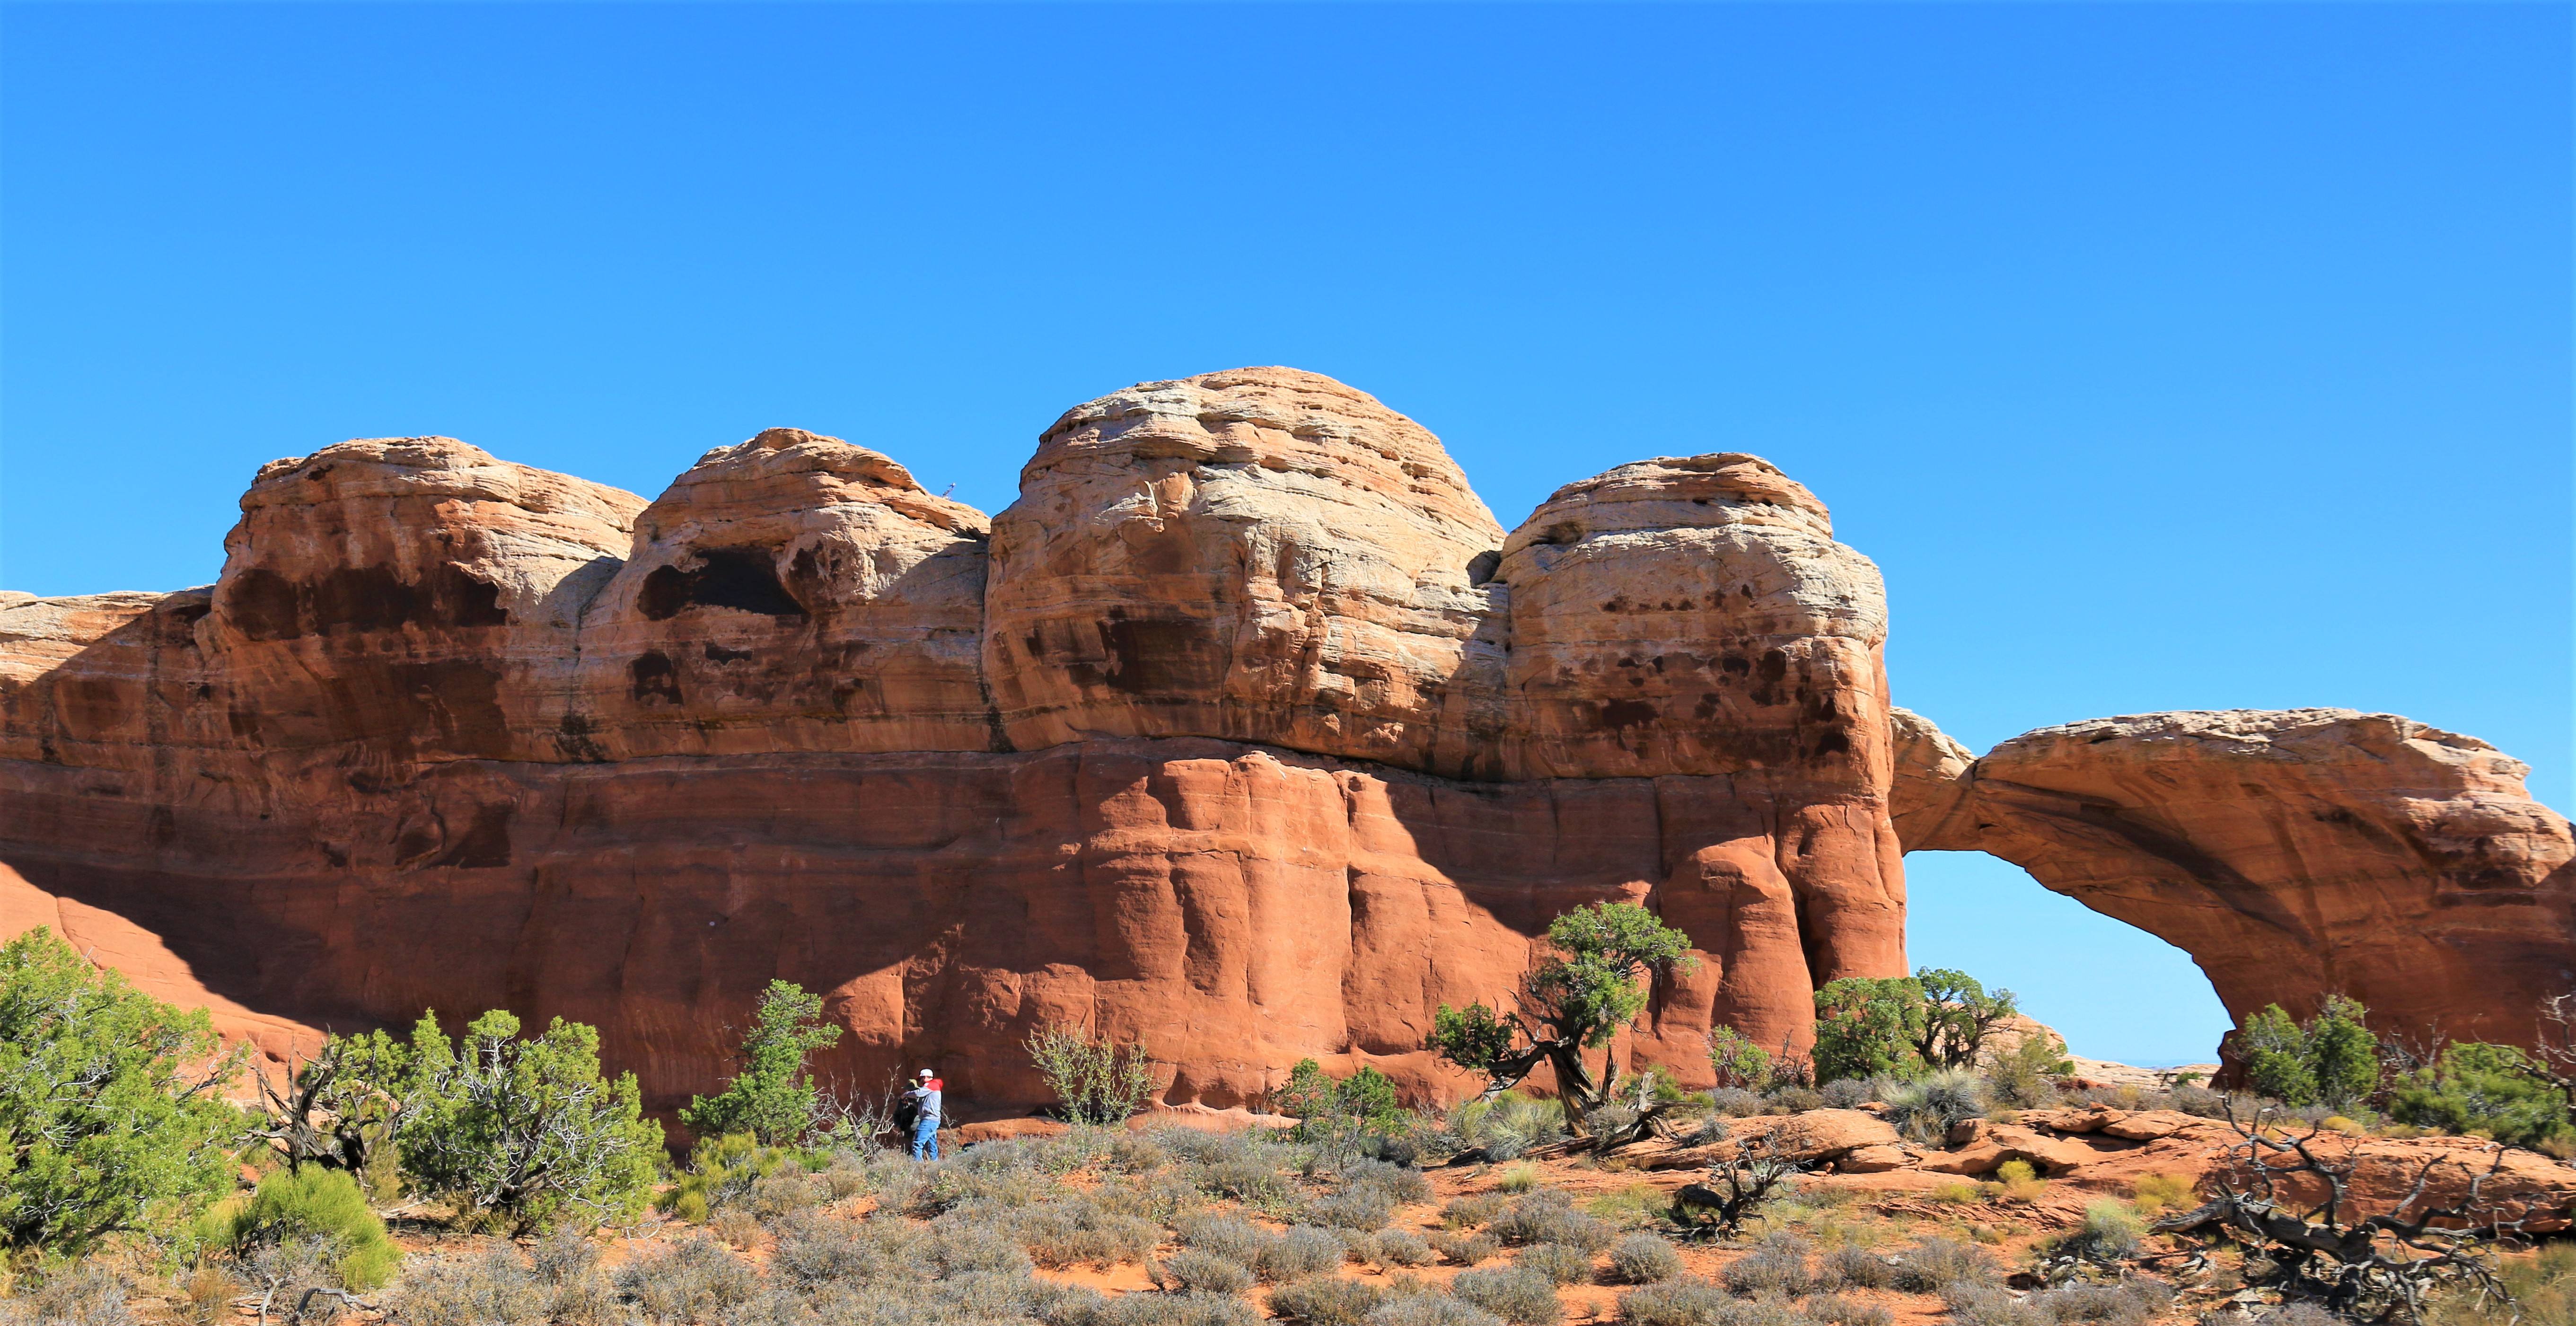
925, 1099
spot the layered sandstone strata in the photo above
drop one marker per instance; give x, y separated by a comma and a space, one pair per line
2293, 854
1217, 741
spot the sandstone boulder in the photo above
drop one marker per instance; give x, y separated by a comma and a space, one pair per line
401, 599
793, 592
1989, 1146
1264, 555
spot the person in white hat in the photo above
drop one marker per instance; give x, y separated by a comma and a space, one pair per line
925, 1098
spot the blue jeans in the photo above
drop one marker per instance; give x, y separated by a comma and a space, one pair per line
925, 1137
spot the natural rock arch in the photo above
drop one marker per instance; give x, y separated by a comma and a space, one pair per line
2293, 854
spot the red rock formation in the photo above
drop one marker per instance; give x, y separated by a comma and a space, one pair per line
2293, 854
1264, 555
1254, 780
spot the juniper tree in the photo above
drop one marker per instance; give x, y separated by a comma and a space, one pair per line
1573, 1002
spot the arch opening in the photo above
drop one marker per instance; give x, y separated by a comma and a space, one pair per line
2112, 990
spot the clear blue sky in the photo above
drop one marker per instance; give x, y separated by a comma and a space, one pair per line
2165, 356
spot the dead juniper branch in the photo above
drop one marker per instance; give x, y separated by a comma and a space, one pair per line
1741, 1184
847, 1116
2373, 1268
334, 1110
1645, 1118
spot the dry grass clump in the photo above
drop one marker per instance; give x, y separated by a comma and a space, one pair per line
1519, 1178
1559, 1263
1430, 1310
1938, 1263
1468, 1249
1778, 1265
1356, 1208
1198, 1272
1169, 1310
2164, 1192
84, 1294
1470, 1211
2016, 1180
1400, 1247
1548, 1216
1841, 1311
1848, 1267
1225, 1235
687, 1281
1402, 1186
1516, 1294
1080, 1231
1326, 1300
1303, 1250
493, 1286
1641, 1259
1679, 1301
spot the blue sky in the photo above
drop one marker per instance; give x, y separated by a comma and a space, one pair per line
2164, 356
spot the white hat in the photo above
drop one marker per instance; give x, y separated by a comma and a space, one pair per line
925, 1072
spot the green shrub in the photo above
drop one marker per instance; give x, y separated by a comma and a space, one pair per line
1739, 1062
1867, 1027
1642, 1259
1336, 1114
771, 1095
2026, 1075
1597, 984
1472, 1210
720, 1172
323, 1205
2480, 1087
1325, 1300
1095, 1079
103, 1127
2110, 1233
2163, 1192
1514, 1293
2332, 1060
524, 1132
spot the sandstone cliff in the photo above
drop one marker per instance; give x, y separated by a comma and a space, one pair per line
2292, 854
1247, 730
